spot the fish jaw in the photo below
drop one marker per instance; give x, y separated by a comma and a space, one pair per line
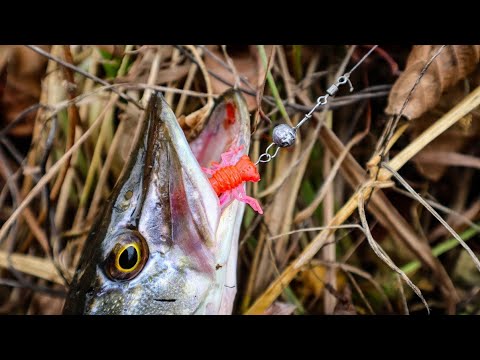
223, 131
164, 198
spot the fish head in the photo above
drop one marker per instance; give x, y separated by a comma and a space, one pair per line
163, 244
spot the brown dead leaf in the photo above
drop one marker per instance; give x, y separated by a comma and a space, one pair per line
452, 140
345, 307
453, 64
130, 119
448, 158
313, 281
457, 223
23, 70
114, 50
140, 69
46, 304
164, 76
193, 123
280, 308
247, 65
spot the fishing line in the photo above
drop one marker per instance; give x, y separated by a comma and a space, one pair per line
285, 135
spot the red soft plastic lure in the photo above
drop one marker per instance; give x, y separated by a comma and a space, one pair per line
228, 177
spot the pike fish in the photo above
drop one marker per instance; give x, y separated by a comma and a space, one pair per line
163, 244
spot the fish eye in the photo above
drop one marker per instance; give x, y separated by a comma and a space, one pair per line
128, 257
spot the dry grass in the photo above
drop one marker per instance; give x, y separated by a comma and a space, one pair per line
306, 250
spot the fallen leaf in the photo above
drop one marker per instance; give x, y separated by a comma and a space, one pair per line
465, 270
23, 70
313, 281
448, 158
453, 64
114, 50
280, 308
164, 76
131, 119
453, 140
141, 68
246, 64
45, 304
345, 307
193, 123
33, 265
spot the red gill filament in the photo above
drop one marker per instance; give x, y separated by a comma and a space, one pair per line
229, 115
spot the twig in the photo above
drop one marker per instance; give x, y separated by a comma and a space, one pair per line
441, 248
32, 265
97, 153
434, 213
335, 103
232, 67
310, 209
247, 296
36, 288
390, 129
402, 296
175, 59
225, 66
360, 292
152, 77
203, 69
74, 119
274, 290
318, 228
14, 152
102, 179
271, 81
329, 252
43, 169
188, 83
462, 218
354, 270
382, 254
50, 174
448, 158
20, 117
35, 228
50, 228
469, 103
84, 73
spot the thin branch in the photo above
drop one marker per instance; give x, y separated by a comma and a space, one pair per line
73, 120
434, 213
84, 73
51, 173
382, 254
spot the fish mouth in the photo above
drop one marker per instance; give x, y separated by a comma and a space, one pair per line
164, 211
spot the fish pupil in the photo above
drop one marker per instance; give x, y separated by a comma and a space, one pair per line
128, 258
